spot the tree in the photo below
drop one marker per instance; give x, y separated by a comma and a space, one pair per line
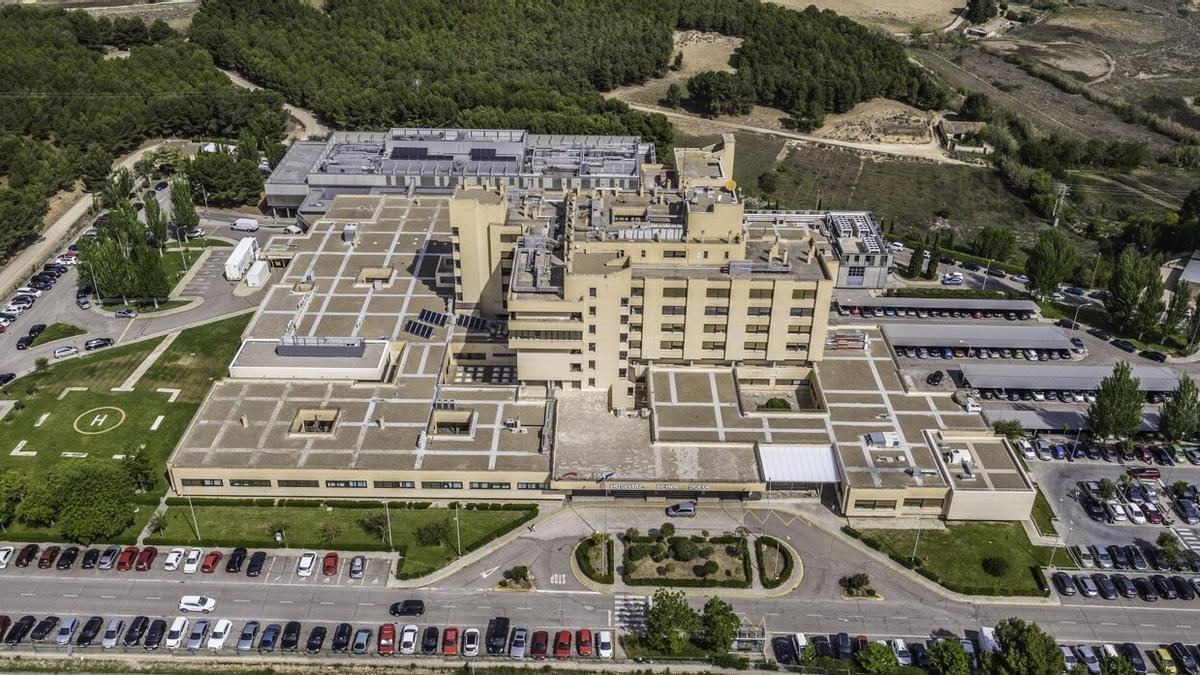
677, 63
1024, 650
157, 523
976, 107
1117, 410
995, 566
1179, 417
1010, 429
674, 96
684, 549
39, 506
1116, 665
375, 525
994, 243
247, 147
1135, 293
140, 470
156, 223
666, 531
1176, 311
224, 180
116, 189
434, 533
96, 499
327, 534
13, 484
979, 11
670, 622
718, 625
1049, 262
947, 657
857, 584
94, 165
720, 93
915, 262
1107, 489
183, 209
931, 268
876, 659
1169, 545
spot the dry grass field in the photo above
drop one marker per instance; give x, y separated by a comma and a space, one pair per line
900, 16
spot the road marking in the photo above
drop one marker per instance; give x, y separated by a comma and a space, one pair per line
286, 602
326, 602
108, 597
27, 595
76, 595
371, 604
1069, 623
1146, 625
148, 597
485, 574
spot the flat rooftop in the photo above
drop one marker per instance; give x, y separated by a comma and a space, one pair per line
1086, 378
992, 465
989, 336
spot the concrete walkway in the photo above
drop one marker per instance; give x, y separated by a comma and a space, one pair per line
146, 363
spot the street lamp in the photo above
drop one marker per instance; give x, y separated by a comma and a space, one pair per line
95, 285
1075, 320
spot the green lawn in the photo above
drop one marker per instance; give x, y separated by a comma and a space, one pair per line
756, 154
955, 555
1091, 317
1043, 515
249, 526
57, 331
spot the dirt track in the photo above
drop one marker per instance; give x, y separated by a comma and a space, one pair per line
306, 122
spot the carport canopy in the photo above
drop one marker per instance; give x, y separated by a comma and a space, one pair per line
809, 464
1047, 376
959, 304
1056, 421
988, 337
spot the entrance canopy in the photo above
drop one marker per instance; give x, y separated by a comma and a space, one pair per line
798, 463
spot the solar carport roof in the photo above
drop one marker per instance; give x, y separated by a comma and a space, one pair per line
1046, 376
990, 336
971, 304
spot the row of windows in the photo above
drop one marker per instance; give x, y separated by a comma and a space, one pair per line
755, 293
360, 484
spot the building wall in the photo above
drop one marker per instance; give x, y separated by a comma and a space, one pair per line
990, 505
480, 239
861, 502
266, 482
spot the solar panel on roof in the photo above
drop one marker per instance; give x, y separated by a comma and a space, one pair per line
419, 329
471, 322
433, 318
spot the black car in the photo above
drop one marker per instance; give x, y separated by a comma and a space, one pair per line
236, 558
1062, 581
1098, 332
5, 378
257, 559
408, 608
997, 272
920, 655
935, 378
1105, 586
341, 637
1183, 588
137, 628
1134, 655
429, 640
20, 629
1145, 589
1153, 355
1094, 509
90, 558
1124, 345
24, 342
1120, 557
842, 643
1184, 661
91, 628
67, 559
821, 643
1125, 586
785, 649
154, 634
291, 637
1158, 560
972, 267
316, 639
44, 628
1067, 323
98, 343
496, 637
40, 285
37, 329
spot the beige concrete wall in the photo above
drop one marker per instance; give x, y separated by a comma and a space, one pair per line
227, 489
851, 495
990, 505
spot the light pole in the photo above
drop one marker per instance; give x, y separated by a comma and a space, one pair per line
1075, 321
457, 529
913, 557
387, 512
195, 524
94, 284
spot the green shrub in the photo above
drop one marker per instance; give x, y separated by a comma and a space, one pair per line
783, 574
582, 558
995, 566
775, 403
684, 550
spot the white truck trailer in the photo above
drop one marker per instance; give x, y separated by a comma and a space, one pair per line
242, 257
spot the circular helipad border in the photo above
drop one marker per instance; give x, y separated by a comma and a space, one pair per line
93, 411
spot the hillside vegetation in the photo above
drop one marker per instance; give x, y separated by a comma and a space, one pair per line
539, 64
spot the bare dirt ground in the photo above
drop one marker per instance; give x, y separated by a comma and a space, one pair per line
893, 15
1084, 62
880, 121
60, 202
701, 52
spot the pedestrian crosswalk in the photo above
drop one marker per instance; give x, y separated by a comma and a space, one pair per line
1190, 537
630, 612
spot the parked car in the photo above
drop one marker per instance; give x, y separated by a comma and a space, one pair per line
246, 637
236, 558
64, 352
257, 559
407, 608
387, 639
98, 343
197, 603
270, 638
358, 566
154, 635
192, 562
329, 565
211, 561
67, 560
408, 640
195, 639
173, 559
66, 631
145, 559
290, 638
306, 564
137, 628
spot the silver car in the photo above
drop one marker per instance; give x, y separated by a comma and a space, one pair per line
109, 557
517, 649
112, 633
246, 639
66, 631
199, 632
358, 566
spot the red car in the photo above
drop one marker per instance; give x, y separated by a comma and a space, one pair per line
1153, 513
1145, 472
26, 555
145, 559
49, 554
583, 642
387, 639
125, 561
450, 641
210, 562
539, 645
562, 644
330, 564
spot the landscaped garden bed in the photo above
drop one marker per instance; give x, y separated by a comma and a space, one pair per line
696, 561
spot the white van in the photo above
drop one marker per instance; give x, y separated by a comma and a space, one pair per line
245, 225
987, 640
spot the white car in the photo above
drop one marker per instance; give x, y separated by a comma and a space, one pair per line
1021, 279
408, 639
192, 563
112, 634
6, 555
1115, 511
896, 246
27, 290
900, 649
1026, 449
177, 632
220, 633
470, 642
308, 562
604, 645
293, 229
197, 603
68, 260
15, 309
1135, 514
173, 559
64, 352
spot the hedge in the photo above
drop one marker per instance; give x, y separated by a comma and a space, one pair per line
582, 552
760, 545
302, 503
146, 498
353, 504
745, 582
233, 542
217, 501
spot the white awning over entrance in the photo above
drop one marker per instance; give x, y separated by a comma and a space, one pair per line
798, 463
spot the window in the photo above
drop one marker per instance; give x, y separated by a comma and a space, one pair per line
576, 368
856, 272
508, 238
674, 310
716, 311
391, 484
758, 329
546, 335
533, 486
592, 329
714, 345
756, 346
915, 503
671, 344
761, 293
674, 292
802, 311
298, 483
345, 483
622, 355
491, 486
591, 292
674, 254
717, 293
249, 482
591, 365
441, 485
803, 294
635, 292
758, 311
875, 504
203, 482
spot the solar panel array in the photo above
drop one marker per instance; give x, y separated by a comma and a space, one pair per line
472, 322
419, 329
433, 318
